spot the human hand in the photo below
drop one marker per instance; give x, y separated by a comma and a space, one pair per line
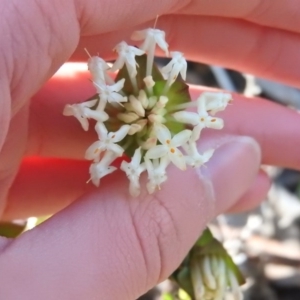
104, 245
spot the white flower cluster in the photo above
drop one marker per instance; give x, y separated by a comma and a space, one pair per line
213, 280
142, 116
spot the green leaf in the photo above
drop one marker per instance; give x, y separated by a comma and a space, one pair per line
205, 238
11, 230
208, 245
167, 296
177, 94
183, 279
141, 74
183, 295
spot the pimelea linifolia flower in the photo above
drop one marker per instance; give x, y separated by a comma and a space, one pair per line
208, 272
141, 114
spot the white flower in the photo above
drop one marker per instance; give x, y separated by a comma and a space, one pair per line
97, 115
149, 82
137, 106
215, 102
143, 113
156, 118
194, 158
133, 171
82, 112
199, 120
156, 173
142, 97
127, 56
211, 279
149, 143
109, 93
177, 65
151, 37
161, 103
128, 117
107, 141
102, 168
98, 67
169, 145
134, 128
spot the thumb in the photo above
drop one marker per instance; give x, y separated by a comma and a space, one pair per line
107, 245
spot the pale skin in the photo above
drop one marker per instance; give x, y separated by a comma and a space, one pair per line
103, 244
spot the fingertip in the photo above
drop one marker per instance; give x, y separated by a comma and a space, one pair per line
232, 170
255, 195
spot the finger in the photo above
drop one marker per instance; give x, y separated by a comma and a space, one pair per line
254, 196
29, 56
232, 43
55, 51
12, 152
272, 125
4, 112
277, 14
45, 186
110, 244
32, 38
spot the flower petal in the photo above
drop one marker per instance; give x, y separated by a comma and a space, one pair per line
181, 138
118, 150
134, 128
183, 70
178, 159
68, 110
99, 116
159, 36
118, 64
215, 123
116, 98
97, 67
120, 134
139, 35
151, 187
187, 117
149, 143
101, 130
196, 133
93, 151
201, 106
162, 133
117, 86
134, 188
136, 159
207, 155
157, 152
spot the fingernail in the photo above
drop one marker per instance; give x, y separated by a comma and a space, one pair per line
232, 170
